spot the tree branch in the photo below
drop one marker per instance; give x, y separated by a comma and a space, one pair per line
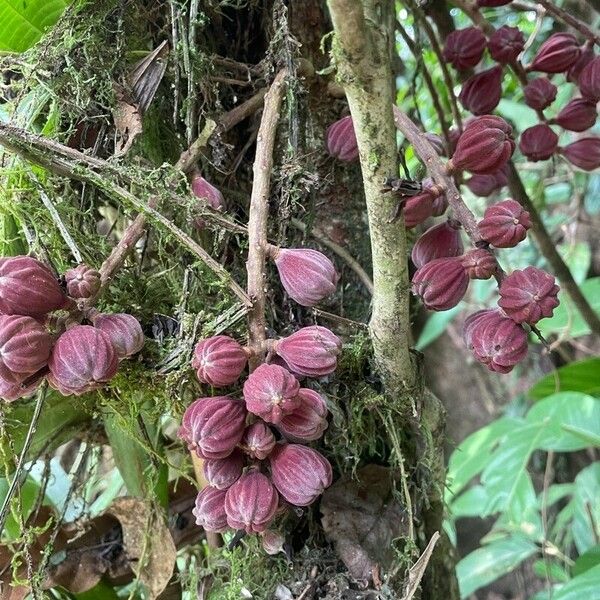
569, 19
361, 51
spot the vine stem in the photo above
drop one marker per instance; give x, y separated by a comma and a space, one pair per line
569, 19
258, 216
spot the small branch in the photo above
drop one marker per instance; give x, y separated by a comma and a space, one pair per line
258, 215
548, 249
341, 252
569, 19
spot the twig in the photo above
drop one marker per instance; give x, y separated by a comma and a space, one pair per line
416, 572
258, 215
16, 483
549, 252
341, 252
569, 19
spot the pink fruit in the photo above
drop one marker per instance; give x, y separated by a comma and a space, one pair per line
24, 344
124, 331
479, 264
213, 427
481, 93
579, 114
202, 189
82, 282
13, 387
272, 541
589, 80
299, 473
485, 185
341, 140
504, 224
538, 142
308, 422
219, 360
557, 54
210, 509
584, 153
441, 283
439, 241
271, 392
258, 440
586, 56
222, 473
464, 47
540, 93
251, 503
28, 287
505, 44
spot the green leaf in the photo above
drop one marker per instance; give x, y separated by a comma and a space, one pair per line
567, 321
582, 376
568, 420
550, 570
578, 258
436, 325
517, 112
469, 503
586, 505
28, 494
102, 591
592, 195
23, 22
584, 587
587, 560
486, 564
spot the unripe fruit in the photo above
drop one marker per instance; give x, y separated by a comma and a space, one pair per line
124, 331
299, 473
484, 147
441, 283
310, 351
28, 287
307, 275
481, 93
213, 427
251, 503
464, 47
438, 242
83, 359
586, 56
341, 140
506, 44
308, 422
417, 209
495, 340
82, 282
203, 189
272, 541
210, 509
538, 142
271, 392
504, 224
222, 473
578, 115
540, 93
485, 185
439, 206
12, 385
219, 360
557, 54
584, 153
479, 264
528, 295
24, 344
258, 440
589, 80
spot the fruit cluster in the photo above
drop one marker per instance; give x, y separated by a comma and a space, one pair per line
254, 451
74, 359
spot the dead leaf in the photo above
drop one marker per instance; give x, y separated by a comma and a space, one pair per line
362, 518
128, 121
147, 543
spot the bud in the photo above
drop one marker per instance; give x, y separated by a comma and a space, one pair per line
479, 264
484, 147
495, 340
464, 47
12, 386
480, 94
485, 185
504, 224
82, 282
584, 153
124, 331
210, 509
272, 541
83, 359
222, 473
538, 142
28, 287
436, 142
417, 209
540, 93
213, 427
578, 115
492, 3
251, 503
439, 206
219, 360
586, 56
308, 422
589, 80
505, 44
258, 440
307, 275
299, 473
441, 283
24, 344
528, 295
310, 351
341, 140
271, 392
438, 242
556, 54
202, 189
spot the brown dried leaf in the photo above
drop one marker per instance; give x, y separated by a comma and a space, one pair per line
128, 121
362, 518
